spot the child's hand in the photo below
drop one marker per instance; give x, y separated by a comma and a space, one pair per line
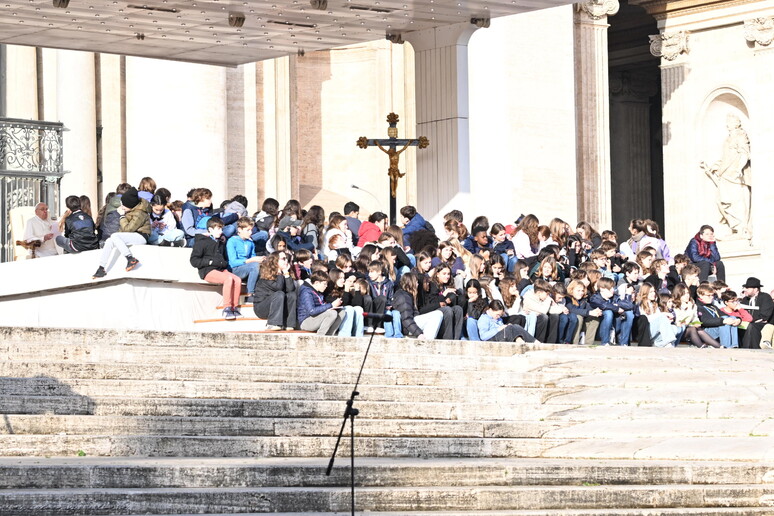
337, 303
596, 312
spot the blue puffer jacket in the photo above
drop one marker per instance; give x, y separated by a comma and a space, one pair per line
693, 252
310, 303
417, 223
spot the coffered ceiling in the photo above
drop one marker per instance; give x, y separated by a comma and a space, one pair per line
210, 31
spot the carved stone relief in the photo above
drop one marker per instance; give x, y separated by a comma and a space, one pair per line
669, 46
598, 9
759, 30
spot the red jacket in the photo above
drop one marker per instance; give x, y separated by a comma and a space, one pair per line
369, 232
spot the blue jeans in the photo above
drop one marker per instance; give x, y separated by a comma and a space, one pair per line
510, 261
623, 327
567, 324
393, 329
229, 230
352, 324
248, 271
727, 335
172, 235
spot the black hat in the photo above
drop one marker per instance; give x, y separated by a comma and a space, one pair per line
130, 199
752, 283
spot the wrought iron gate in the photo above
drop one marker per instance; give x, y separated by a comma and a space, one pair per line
30, 170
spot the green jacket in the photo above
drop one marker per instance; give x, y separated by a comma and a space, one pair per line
137, 220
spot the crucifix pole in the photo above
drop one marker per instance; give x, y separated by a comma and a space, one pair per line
390, 147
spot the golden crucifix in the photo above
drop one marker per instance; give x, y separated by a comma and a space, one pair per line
390, 147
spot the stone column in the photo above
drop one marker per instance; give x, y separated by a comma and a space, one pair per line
671, 48
76, 107
111, 117
441, 69
21, 93
592, 105
630, 153
277, 163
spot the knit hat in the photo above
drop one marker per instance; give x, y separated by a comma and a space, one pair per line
130, 199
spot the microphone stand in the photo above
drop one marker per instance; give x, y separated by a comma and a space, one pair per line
349, 414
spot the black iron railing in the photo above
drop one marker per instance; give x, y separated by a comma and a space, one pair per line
30, 170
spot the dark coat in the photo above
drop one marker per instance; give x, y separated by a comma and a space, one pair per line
79, 228
264, 288
765, 306
208, 255
709, 315
613, 304
404, 303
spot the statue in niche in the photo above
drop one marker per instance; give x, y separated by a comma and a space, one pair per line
731, 176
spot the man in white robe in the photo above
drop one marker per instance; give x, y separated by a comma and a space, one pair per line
42, 228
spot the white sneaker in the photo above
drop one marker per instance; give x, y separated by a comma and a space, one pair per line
379, 331
271, 327
368, 329
765, 344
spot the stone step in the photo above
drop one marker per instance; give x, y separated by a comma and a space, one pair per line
18, 338
230, 356
403, 499
64, 370
679, 393
47, 386
683, 511
663, 409
268, 446
218, 407
140, 472
279, 427
666, 427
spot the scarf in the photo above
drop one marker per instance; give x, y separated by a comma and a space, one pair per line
703, 247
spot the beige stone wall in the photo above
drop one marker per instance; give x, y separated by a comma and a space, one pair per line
721, 74
176, 125
522, 118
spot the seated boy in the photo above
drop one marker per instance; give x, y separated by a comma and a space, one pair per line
240, 249
314, 314
135, 229
588, 318
382, 288
717, 324
207, 255
79, 232
616, 313
412, 222
539, 301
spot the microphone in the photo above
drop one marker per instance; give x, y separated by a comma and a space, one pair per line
377, 317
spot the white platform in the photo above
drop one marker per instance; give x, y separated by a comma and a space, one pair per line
163, 293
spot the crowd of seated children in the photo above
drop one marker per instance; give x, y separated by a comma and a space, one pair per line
554, 284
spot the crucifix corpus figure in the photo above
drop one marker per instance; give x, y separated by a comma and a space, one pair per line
390, 147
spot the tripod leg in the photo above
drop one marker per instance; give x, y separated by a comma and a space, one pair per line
352, 459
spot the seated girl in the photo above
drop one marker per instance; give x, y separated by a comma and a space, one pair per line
662, 332
275, 293
687, 319
422, 326
491, 326
588, 318
342, 288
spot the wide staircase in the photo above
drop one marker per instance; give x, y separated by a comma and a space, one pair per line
121, 422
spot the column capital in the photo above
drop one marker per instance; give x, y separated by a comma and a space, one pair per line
669, 45
759, 30
598, 9
437, 37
